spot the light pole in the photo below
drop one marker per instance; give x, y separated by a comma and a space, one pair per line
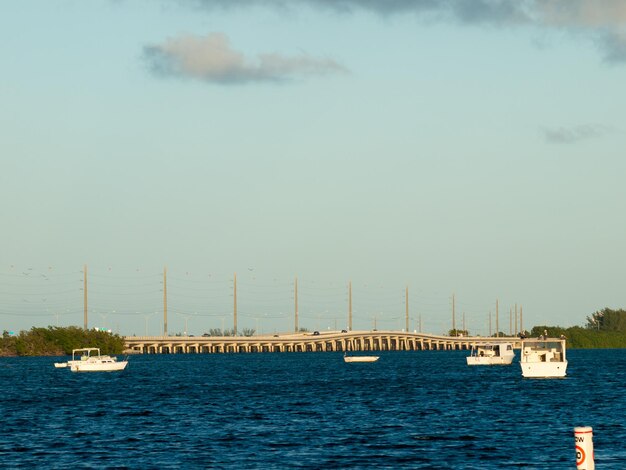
186, 316
146, 316
104, 318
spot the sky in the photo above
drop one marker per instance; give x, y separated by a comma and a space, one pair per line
470, 152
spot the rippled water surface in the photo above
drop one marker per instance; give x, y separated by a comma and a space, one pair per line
422, 409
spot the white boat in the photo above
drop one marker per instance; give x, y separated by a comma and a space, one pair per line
491, 354
60, 365
90, 360
347, 358
543, 358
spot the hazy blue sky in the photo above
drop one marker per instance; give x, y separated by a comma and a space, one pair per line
466, 147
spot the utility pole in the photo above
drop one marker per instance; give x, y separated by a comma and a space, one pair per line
406, 300
453, 315
350, 306
497, 321
164, 300
85, 323
235, 307
296, 305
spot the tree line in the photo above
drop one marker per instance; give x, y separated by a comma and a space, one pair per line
605, 328
58, 341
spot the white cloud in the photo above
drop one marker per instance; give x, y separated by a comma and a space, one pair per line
211, 58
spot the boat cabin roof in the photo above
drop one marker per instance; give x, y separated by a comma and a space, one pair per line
543, 340
491, 345
85, 350
544, 343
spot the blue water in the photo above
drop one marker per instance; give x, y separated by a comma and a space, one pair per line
422, 409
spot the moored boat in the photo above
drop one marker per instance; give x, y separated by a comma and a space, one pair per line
347, 358
543, 358
491, 354
90, 360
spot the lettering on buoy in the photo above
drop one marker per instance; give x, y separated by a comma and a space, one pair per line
583, 438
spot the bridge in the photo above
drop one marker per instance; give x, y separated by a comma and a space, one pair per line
307, 342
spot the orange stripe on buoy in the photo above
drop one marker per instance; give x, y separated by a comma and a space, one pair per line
582, 455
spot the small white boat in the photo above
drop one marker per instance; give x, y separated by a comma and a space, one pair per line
491, 354
543, 358
60, 365
90, 360
347, 358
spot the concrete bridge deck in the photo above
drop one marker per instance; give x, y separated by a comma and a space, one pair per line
307, 342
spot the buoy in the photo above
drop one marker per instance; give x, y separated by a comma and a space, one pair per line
583, 438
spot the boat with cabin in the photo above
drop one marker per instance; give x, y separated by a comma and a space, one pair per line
90, 360
491, 354
543, 357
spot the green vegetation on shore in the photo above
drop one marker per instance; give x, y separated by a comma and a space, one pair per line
56, 341
584, 338
604, 329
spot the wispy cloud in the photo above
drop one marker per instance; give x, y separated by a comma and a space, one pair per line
565, 135
603, 21
614, 47
212, 59
473, 11
581, 13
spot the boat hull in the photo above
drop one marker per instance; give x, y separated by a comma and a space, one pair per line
543, 370
489, 361
84, 366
